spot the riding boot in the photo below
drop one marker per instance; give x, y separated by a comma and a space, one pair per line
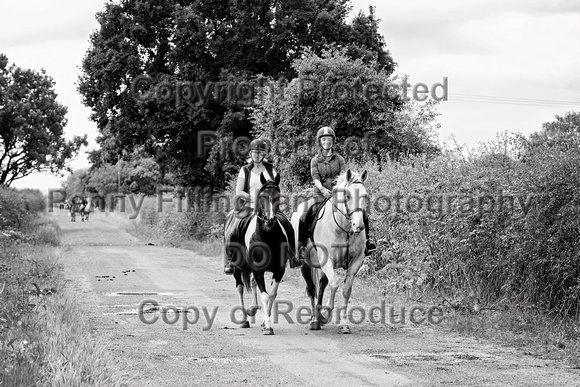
302, 237
370, 246
294, 262
229, 239
229, 267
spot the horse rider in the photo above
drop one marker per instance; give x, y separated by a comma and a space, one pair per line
247, 187
325, 167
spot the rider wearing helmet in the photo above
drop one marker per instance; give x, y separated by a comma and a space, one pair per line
324, 169
247, 186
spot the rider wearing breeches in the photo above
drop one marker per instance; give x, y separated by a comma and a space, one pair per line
248, 185
324, 169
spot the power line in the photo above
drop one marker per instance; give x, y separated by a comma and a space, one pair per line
514, 98
460, 97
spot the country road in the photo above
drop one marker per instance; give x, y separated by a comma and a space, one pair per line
112, 272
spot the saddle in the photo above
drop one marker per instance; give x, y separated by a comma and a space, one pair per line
239, 232
310, 219
245, 222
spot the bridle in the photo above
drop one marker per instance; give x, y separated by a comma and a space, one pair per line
348, 212
269, 185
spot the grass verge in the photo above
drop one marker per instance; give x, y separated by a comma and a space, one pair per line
44, 340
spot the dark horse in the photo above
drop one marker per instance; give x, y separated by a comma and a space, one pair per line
76, 205
264, 247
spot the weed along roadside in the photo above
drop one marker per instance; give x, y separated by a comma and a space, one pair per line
39, 319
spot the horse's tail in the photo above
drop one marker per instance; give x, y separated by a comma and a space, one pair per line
246, 280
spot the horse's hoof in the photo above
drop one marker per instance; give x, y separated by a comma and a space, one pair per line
267, 331
252, 311
245, 324
314, 325
321, 315
345, 330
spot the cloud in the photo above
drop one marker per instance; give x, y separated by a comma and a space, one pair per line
34, 22
554, 6
450, 27
42, 34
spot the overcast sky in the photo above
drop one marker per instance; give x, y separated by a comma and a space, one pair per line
511, 65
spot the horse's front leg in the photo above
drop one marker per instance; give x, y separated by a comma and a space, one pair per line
265, 298
272, 296
346, 291
328, 269
311, 292
254, 308
240, 287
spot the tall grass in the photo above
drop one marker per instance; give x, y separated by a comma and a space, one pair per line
44, 341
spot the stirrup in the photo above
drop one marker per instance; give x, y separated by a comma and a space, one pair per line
295, 263
302, 254
370, 248
229, 268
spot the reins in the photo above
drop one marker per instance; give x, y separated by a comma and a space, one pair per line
348, 216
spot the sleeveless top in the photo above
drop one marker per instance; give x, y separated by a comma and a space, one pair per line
253, 189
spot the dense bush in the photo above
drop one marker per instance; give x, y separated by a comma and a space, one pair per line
175, 226
551, 234
12, 209
34, 200
18, 206
468, 237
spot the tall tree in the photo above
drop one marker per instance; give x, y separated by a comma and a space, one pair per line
562, 134
146, 48
31, 125
362, 104
134, 174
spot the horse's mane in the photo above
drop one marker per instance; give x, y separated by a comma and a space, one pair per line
269, 184
340, 180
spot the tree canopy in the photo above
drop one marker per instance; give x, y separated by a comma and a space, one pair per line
362, 104
563, 134
31, 125
145, 50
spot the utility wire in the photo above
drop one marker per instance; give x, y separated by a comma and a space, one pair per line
460, 97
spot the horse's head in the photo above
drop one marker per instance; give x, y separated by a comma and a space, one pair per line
268, 199
351, 191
